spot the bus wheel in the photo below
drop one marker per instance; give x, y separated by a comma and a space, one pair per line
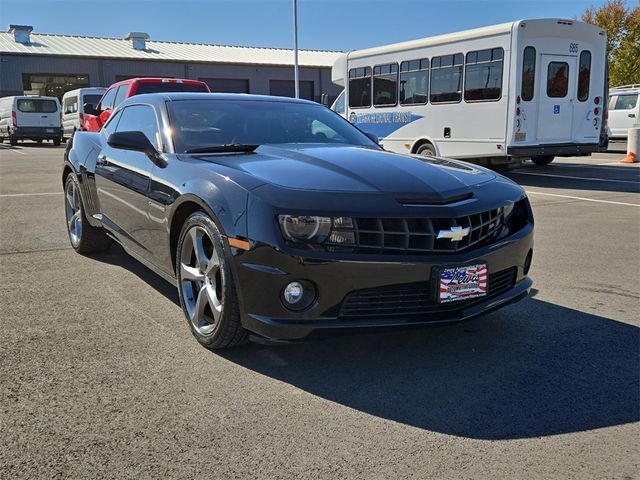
542, 160
426, 150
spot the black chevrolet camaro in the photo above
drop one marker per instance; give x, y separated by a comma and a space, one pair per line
277, 217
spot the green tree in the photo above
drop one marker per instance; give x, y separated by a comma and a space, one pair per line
622, 25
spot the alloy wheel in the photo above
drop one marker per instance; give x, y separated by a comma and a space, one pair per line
73, 209
201, 280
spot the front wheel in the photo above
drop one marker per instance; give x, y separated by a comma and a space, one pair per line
206, 285
13, 141
542, 160
83, 237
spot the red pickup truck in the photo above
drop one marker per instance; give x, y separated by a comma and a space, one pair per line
97, 115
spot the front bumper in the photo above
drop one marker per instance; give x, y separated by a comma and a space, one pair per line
34, 133
263, 272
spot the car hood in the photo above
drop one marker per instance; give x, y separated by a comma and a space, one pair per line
355, 169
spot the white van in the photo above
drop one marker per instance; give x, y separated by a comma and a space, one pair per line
30, 118
73, 108
624, 110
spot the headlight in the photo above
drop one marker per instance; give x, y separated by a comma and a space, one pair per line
307, 229
507, 210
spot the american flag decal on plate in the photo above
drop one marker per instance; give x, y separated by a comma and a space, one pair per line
462, 283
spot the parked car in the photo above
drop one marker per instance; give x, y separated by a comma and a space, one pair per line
30, 118
73, 108
278, 217
97, 115
624, 110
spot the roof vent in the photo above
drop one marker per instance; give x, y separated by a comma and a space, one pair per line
21, 33
138, 39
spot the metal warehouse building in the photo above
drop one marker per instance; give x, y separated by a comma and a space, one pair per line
45, 64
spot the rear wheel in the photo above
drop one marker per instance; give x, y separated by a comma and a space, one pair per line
426, 150
57, 141
83, 237
542, 160
206, 285
13, 141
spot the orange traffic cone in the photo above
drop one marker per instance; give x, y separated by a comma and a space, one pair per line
633, 145
630, 158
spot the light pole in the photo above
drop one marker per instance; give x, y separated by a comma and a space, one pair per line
295, 48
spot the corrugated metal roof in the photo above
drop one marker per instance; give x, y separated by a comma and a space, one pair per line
77, 46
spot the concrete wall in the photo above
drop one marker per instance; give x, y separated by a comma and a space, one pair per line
103, 72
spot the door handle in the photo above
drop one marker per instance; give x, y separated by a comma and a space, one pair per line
102, 160
632, 115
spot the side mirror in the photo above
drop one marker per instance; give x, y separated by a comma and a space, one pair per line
137, 142
89, 109
373, 137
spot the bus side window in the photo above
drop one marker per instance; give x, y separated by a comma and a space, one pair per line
385, 85
584, 75
446, 78
483, 75
528, 74
414, 82
360, 87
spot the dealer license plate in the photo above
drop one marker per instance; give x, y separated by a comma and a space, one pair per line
462, 283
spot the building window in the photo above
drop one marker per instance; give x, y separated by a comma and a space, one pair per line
483, 75
52, 85
385, 85
227, 85
557, 79
446, 78
287, 88
414, 82
360, 87
584, 75
528, 74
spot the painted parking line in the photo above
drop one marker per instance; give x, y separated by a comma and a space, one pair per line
582, 198
11, 149
590, 179
29, 194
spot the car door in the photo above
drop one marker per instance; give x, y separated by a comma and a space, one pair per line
622, 113
557, 87
122, 179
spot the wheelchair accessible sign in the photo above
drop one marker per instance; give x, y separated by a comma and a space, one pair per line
556, 109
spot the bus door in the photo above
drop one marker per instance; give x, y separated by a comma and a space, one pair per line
557, 87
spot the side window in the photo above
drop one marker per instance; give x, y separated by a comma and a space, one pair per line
70, 105
584, 75
414, 82
385, 85
140, 118
360, 87
528, 74
557, 79
446, 78
107, 101
111, 124
483, 75
121, 95
626, 102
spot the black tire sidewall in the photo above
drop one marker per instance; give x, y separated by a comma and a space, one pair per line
426, 150
217, 338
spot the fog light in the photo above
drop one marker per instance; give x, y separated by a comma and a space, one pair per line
298, 295
293, 293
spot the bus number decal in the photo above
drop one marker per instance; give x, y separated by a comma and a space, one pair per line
573, 48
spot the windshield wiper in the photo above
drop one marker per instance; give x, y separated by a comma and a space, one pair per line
229, 147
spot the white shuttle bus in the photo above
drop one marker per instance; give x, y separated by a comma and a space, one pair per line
526, 89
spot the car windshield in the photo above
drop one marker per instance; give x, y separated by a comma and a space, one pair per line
92, 99
197, 124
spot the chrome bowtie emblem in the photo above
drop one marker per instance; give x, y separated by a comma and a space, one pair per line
455, 234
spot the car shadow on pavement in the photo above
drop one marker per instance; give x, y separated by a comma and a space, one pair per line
533, 369
609, 178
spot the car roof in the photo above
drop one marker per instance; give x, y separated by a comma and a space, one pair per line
236, 97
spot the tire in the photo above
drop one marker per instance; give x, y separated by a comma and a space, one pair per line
39, 141
57, 141
13, 141
206, 286
83, 237
542, 160
426, 150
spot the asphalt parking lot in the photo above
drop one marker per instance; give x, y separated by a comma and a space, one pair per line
100, 377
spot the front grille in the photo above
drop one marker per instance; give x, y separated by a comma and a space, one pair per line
406, 236
405, 300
